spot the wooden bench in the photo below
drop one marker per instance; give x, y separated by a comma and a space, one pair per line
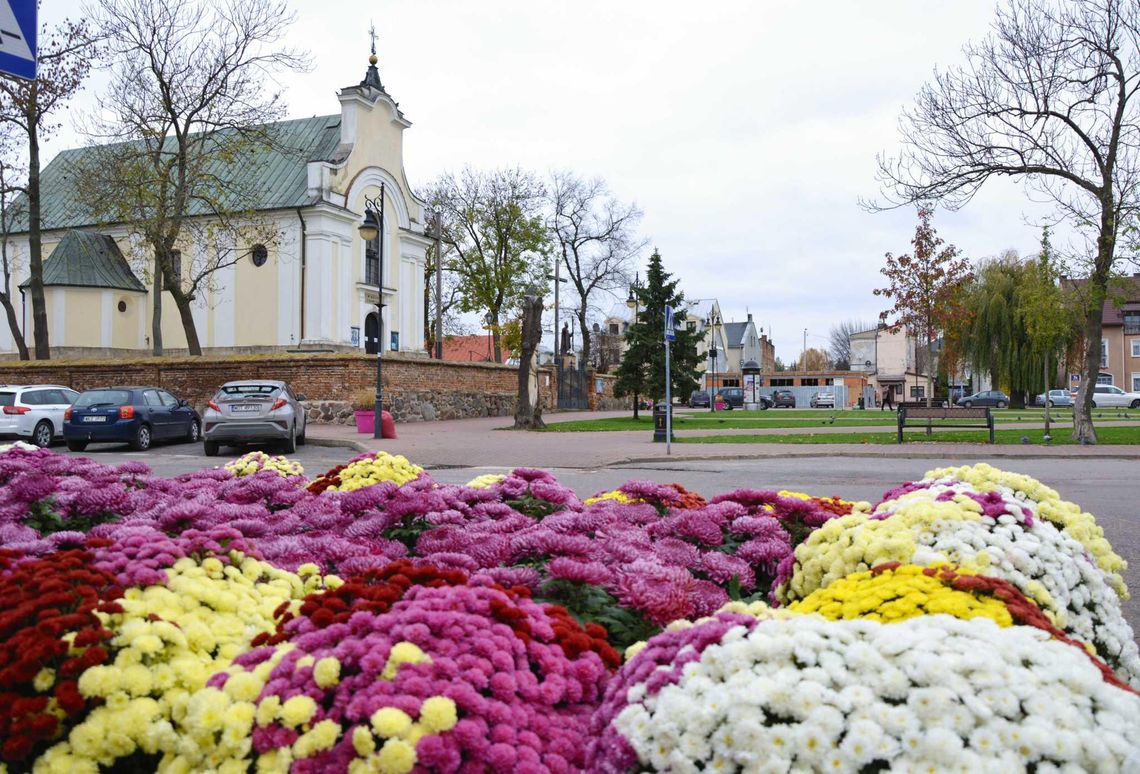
944, 416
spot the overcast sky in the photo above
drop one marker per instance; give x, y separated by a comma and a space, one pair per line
745, 130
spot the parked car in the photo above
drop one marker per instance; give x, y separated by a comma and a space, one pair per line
783, 399
134, 415
1056, 398
733, 397
823, 399
255, 411
995, 398
1108, 396
699, 399
34, 411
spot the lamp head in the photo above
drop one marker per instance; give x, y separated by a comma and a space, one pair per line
370, 226
631, 302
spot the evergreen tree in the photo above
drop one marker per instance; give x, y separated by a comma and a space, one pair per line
642, 368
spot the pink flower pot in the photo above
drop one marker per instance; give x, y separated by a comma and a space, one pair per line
366, 423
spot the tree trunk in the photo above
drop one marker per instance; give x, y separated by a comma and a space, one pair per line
156, 313
182, 301
528, 413
1083, 430
35, 244
585, 337
14, 325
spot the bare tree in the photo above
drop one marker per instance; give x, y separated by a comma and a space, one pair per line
839, 341
13, 207
1048, 97
528, 413
64, 59
493, 225
594, 235
189, 106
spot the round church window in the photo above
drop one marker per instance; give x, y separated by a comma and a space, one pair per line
122, 306
259, 255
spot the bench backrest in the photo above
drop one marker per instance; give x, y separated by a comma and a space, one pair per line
937, 412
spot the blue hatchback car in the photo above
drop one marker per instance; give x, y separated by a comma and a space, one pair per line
134, 415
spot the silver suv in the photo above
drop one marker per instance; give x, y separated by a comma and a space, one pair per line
34, 411
253, 411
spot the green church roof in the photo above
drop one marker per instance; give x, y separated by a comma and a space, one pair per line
84, 259
277, 172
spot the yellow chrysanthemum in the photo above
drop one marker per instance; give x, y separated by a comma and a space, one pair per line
396, 757
615, 494
390, 721
438, 714
326, 673
485, 481
376, 469
297, 710
895, 595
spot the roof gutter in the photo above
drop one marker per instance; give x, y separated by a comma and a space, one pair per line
303, 272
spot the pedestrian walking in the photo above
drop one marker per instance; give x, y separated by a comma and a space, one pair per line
888, 401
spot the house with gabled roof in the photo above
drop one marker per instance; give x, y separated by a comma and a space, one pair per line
314, 283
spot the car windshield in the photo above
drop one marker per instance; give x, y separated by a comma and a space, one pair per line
248, 390
93, 398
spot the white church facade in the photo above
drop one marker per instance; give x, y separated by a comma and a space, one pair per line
314, 285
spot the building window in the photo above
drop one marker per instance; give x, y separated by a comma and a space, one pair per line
918, 391
1104, 353
1104, 379
1136, 348
1132, 322
1135, 382
372, 261
730, 383
122, 305
782, 382
813, 382
829, 381
259, 255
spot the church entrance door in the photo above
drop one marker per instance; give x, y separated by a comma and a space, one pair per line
372, 333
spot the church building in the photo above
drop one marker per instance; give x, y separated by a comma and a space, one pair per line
314, 284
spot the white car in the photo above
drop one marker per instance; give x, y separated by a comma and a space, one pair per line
34, 411
1107, 396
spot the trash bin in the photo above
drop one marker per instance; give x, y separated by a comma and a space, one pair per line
861, 402
660, 412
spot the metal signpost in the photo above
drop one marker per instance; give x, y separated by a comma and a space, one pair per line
669, 337
18, 38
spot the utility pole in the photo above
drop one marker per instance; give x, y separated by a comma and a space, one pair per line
438, 284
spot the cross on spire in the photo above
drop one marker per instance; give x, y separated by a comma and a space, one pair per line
372, 34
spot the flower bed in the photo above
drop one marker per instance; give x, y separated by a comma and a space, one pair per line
249, 618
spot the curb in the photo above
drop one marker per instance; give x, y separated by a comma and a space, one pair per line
343, 443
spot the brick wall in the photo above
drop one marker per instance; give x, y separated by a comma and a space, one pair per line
415, 388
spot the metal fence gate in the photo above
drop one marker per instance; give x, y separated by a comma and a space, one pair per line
572, 388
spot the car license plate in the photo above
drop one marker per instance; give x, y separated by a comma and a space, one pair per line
245, 409
94, 419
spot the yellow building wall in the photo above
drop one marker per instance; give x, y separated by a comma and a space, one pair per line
125, 325
255, 299
83, 317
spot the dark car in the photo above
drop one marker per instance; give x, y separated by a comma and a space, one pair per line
783, 399
134, 415
699, 399
733, 397
995, 398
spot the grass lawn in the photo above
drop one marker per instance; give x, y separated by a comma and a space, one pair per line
773, 418
1061, 436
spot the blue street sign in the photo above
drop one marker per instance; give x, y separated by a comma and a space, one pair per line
18, 38
670, 331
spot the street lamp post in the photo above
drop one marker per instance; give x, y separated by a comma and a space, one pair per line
372, 227
633, 302
712, 321
438, 284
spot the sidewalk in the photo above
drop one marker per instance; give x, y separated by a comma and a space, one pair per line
485, 441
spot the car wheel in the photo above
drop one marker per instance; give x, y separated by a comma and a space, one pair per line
301, 437
1051, 404
1134, 404
1094, 404
41, 436
195, 431
289, 445
969, 404
76, 445
1001, 404
141, 441
211, 448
